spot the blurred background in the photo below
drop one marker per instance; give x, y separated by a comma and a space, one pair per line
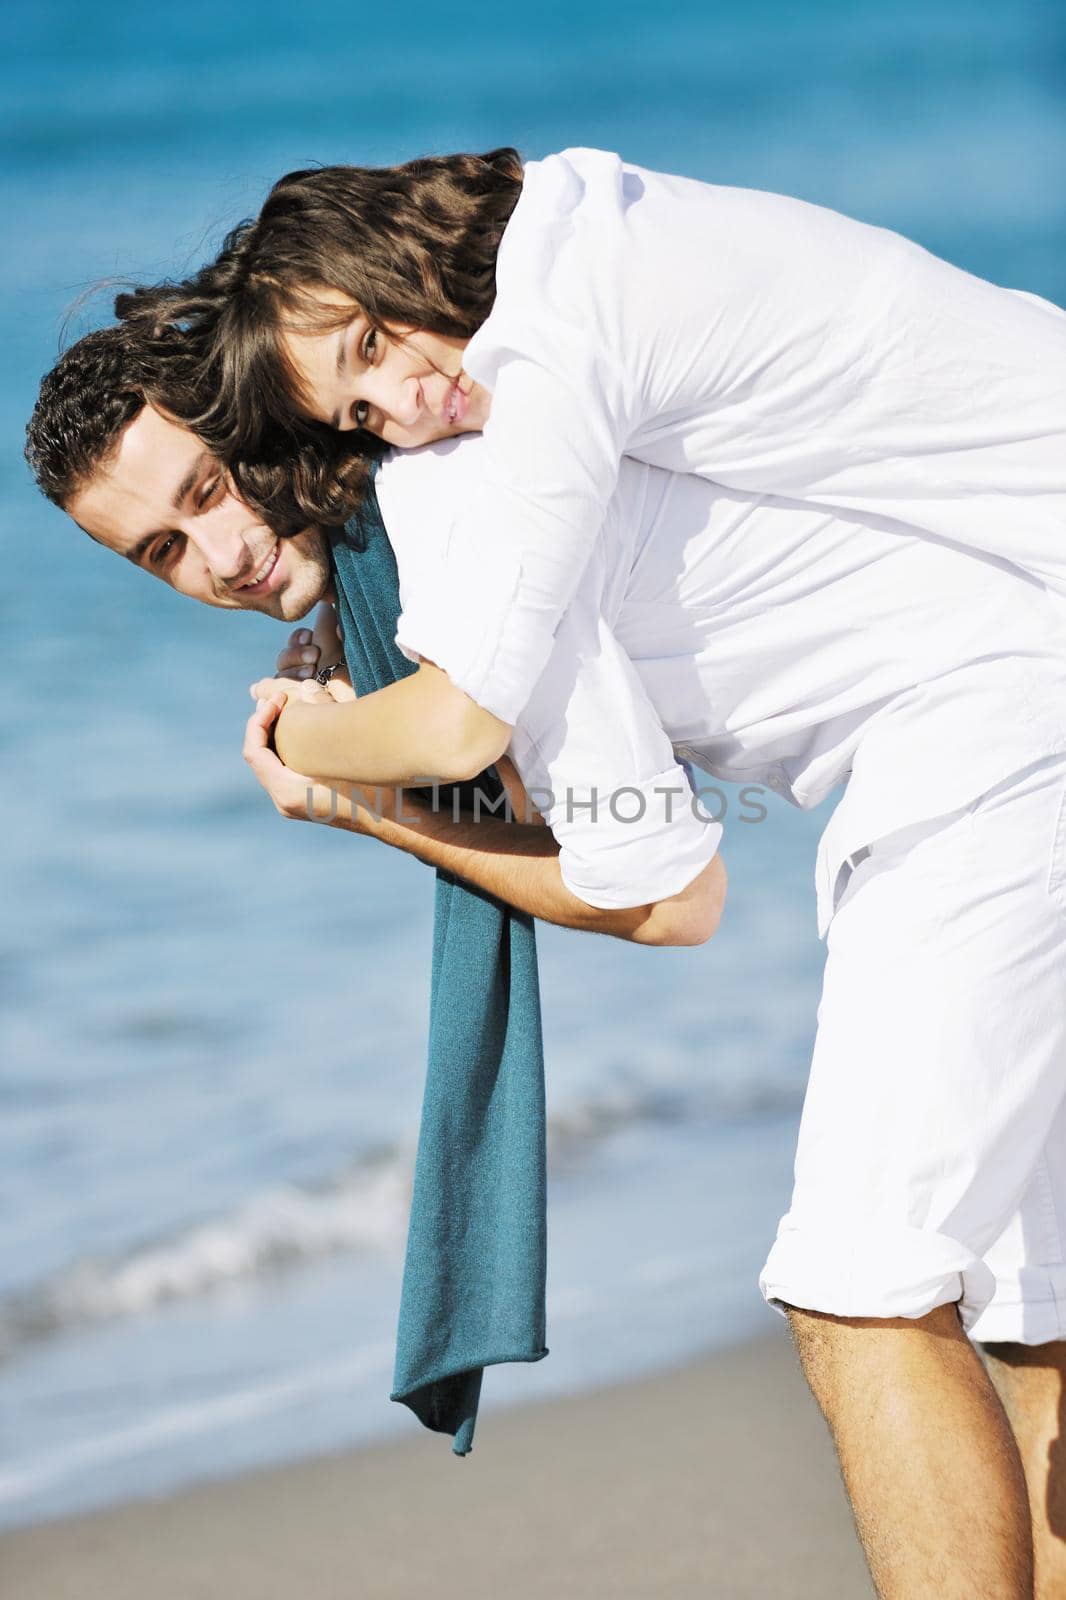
213, 1023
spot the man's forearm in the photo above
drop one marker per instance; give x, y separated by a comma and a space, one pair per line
514, 861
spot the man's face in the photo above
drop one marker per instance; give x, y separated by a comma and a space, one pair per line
164, 503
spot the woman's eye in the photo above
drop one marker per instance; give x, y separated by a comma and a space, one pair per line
360, 413
370, 344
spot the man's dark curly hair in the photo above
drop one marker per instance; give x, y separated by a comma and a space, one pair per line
101, 383
87, 400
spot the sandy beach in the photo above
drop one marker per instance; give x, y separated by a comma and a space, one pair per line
714, 1480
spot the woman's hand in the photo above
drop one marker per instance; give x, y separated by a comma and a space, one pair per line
311, 692
300, 798
281, 690
296, 796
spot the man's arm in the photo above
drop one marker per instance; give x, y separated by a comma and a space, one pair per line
516, 862
519, 863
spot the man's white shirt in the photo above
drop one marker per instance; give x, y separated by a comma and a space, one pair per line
757, 341
755, 639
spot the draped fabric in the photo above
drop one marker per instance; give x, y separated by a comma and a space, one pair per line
474, 1273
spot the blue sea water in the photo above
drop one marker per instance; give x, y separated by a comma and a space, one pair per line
213, 1023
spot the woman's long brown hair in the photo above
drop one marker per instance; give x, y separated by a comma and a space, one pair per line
412, 246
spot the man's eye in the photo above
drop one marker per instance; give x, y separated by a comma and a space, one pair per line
370, 345
161, 551
360, 413
208, 492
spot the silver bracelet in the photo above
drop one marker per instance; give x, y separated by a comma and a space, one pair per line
324, 674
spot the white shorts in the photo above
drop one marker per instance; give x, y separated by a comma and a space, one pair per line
931, 1164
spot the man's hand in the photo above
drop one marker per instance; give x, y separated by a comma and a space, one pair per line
305, 651
308, 648
300, 798
300, 658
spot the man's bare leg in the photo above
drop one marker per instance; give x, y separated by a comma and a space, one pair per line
930, 1463
1030, 1382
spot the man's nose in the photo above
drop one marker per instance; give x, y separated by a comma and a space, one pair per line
223, 549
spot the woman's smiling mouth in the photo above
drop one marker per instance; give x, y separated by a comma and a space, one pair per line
455, 406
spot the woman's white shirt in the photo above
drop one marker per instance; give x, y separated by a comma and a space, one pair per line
764, 343
761, 641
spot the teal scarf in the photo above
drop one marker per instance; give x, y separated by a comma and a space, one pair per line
473, 1284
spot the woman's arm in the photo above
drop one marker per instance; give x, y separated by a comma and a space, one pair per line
418, 728
768, 345
550, 459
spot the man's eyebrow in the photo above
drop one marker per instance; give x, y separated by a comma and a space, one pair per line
180, 495
182, 491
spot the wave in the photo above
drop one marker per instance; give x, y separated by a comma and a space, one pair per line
288, 1225
362, 1209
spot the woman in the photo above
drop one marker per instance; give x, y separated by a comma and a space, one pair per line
582, 309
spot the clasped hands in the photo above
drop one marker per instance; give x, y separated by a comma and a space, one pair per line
301, 798
295, 795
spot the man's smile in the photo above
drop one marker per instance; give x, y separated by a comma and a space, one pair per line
262, 579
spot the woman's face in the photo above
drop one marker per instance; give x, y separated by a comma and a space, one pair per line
407, 385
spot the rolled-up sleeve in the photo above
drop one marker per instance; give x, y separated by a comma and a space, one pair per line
597, 762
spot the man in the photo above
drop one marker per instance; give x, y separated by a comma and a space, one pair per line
147, 489
766, 641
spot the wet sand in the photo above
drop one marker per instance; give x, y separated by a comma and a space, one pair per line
716, 1480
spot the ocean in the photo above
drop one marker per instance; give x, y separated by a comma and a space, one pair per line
213, 1022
